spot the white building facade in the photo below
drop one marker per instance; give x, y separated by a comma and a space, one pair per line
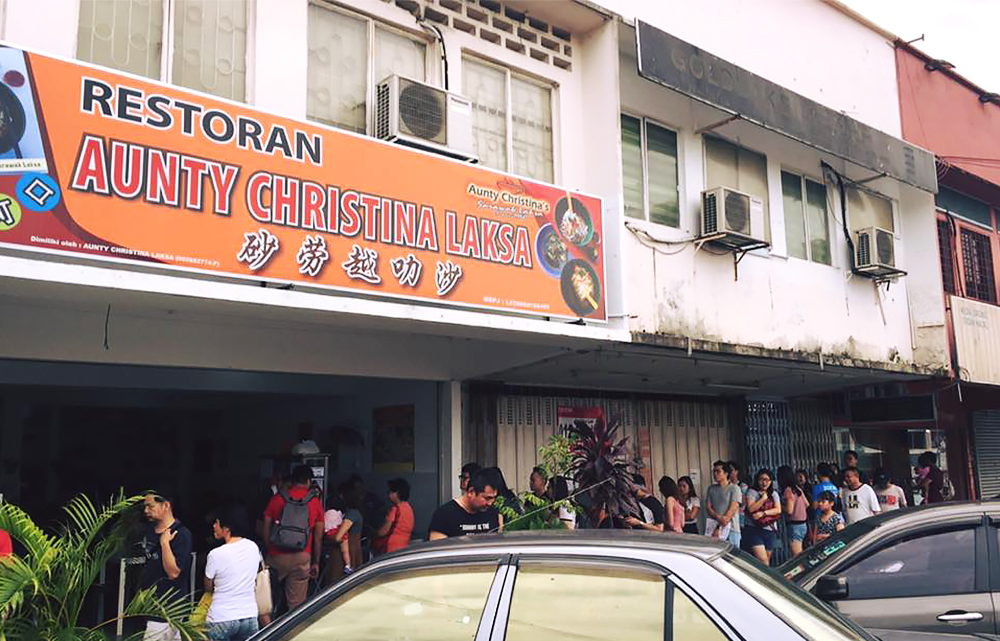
697, 342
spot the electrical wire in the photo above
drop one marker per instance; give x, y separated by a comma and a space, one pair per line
642, 235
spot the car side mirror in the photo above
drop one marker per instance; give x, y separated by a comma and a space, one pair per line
831, 588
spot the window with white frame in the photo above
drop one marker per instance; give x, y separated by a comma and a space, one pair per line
649, 171
868, 209
729, 165
348, 56
205, 50
807, 224
511, 119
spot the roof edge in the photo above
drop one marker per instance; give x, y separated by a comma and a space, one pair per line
857, 17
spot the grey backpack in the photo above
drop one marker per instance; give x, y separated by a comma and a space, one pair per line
292, 531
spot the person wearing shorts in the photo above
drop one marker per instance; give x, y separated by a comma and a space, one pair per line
763, 509
795, 507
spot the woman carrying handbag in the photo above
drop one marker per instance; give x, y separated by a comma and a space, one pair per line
763, 509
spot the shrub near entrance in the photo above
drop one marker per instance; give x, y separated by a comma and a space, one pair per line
42, 591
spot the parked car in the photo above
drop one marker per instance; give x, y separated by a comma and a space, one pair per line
569, 585
933, 568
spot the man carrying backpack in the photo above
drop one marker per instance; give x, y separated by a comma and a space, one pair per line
293, 534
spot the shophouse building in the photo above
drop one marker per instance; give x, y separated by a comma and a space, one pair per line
960, 122
689, 218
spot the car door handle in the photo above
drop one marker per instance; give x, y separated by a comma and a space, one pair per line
956, 617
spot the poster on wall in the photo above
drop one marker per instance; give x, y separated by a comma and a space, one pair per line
568, 416
101, 165
393, 445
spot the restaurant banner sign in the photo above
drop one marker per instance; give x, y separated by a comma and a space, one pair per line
103, 165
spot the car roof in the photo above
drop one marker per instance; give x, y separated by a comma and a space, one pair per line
703, 547
927, 513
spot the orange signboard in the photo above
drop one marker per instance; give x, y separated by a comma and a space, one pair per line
109, 166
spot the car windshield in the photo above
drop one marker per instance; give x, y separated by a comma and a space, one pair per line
799, 609
798, 568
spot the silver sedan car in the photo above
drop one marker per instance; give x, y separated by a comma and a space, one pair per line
600, 585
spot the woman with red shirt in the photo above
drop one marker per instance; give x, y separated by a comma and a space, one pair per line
398, 526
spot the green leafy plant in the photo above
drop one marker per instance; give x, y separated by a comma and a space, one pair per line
556, 457
43, 591
539, 514
602, 467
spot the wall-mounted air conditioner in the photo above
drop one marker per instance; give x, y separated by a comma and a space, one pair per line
732, 218
875, 252
418, 115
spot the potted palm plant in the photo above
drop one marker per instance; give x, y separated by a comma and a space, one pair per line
42, 592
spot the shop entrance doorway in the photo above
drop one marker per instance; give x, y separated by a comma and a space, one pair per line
896, 451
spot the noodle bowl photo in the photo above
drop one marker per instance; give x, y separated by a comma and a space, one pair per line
581, 288
574, 222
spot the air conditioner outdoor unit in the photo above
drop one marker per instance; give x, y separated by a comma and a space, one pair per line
418, 115
875, 252
734, 218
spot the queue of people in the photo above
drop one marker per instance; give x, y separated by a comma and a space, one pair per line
307, 536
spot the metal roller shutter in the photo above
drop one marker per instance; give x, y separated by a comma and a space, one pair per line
986, 451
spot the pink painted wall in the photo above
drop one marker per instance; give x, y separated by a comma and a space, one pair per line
942, 113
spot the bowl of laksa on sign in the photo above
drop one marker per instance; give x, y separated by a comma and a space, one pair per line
581, 288
551, 250
573, 222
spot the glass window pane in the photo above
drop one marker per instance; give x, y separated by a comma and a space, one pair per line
753, 180
689, 622
337, 72
397, 54
122, 34
925, 565
661, 165
485, 86
818, 222
531, 129
721, 165
865, 209
440, 604
795, 227
632, 189
552, 602
210, 46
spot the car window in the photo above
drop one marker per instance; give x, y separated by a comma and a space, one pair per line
688, 621
552, 601
926, 564
437, 604
796, 607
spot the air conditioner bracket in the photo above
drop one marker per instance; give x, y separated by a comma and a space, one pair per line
880, 274
736, 244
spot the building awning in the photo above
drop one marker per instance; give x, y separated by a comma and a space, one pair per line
678, 65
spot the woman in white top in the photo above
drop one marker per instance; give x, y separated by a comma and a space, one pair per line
559, 491
231, 577
691, 502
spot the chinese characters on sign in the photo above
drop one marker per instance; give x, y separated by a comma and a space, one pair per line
447, 276
363, 265
407, 269
312, 255
258, 247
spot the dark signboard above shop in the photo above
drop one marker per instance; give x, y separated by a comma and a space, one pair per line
681, 66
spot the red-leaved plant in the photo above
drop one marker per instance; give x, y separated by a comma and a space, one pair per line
602, 467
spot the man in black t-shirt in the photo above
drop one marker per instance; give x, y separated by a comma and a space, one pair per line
651, 508
470, 513
167, 547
